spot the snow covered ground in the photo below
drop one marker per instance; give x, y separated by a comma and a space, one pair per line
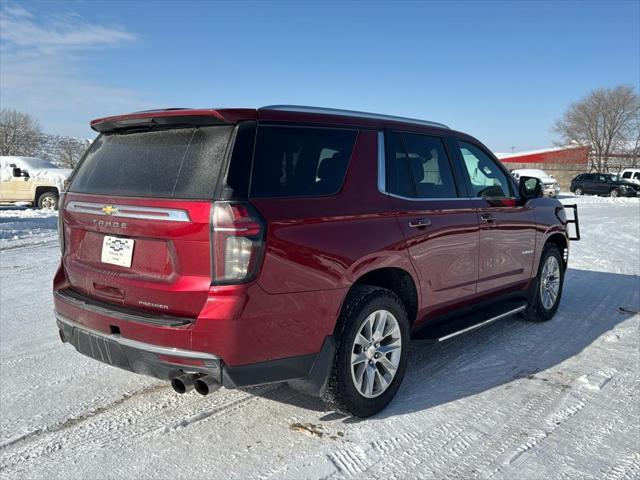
22, 225
512, 400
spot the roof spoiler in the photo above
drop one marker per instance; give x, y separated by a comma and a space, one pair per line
158, 119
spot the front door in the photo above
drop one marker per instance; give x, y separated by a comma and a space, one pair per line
507, 228
438, 220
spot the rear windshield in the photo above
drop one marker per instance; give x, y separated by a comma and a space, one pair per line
177, 163
300, 161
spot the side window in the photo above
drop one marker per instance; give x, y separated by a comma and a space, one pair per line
486, 177
417, 166
588, 176
626, 175
636, 175
300, 161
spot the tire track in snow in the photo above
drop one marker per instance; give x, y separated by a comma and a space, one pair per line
125, 423
76, 420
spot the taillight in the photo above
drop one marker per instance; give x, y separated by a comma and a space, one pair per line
61, 222
237, 242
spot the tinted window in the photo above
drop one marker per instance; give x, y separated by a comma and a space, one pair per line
291, 161
626, 175
588, 176
636, 175
486, 177
176, 163
418, 167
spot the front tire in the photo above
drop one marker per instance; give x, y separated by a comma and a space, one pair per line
372, 336
48, 201
547, 288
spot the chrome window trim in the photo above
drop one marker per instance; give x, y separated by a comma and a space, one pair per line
352, 113
382, 173
146, 347
143, 213
382, 178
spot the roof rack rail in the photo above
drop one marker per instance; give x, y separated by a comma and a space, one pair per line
350, 113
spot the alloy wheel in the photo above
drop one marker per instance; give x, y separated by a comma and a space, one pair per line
376, 353
48, 203
550, 282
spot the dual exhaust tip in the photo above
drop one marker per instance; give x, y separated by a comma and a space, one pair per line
203, 384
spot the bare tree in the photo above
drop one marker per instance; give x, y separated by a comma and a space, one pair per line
632, 148
605, 119
20, 133
71, 150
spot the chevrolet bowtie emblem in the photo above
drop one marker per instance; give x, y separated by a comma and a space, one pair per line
109, 210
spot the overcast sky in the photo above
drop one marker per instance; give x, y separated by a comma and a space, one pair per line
500, 71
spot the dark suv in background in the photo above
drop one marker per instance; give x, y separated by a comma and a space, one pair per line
603, 184
238, 247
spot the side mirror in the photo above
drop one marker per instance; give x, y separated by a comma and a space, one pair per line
16, 172
530, 187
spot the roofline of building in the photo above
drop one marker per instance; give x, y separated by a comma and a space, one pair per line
503, 156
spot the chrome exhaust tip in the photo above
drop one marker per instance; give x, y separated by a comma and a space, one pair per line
206, 385
184, 383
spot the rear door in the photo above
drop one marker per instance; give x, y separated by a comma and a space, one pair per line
438, 220
137, 216
507, 229
589, 183
603, 184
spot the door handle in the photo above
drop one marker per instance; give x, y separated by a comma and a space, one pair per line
487, 218
420, 223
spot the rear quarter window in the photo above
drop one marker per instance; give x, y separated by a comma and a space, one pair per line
176, 163
300, 161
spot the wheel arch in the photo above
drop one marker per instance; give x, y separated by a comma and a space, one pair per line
396, 279
560, 240
40, 190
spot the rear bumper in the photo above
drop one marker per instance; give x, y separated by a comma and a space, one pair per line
307, 373
139, 357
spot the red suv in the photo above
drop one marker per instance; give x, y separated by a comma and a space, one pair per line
238, 247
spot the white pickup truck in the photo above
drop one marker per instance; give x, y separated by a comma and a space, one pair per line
31, 180
550, 186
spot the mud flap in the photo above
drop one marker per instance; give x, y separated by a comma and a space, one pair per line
316, 383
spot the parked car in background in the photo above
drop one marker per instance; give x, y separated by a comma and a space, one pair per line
603, 184
31, 180
550, 185
631, 175
239, 247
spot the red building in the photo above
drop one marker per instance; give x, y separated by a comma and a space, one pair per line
563, 163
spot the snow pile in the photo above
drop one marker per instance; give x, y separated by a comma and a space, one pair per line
20, 225
565, 197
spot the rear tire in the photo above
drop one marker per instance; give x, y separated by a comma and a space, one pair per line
615, 193
372, 339
547, 288
578, 191
48, 201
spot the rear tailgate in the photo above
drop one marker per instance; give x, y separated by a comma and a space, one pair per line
169, 270
137, 218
